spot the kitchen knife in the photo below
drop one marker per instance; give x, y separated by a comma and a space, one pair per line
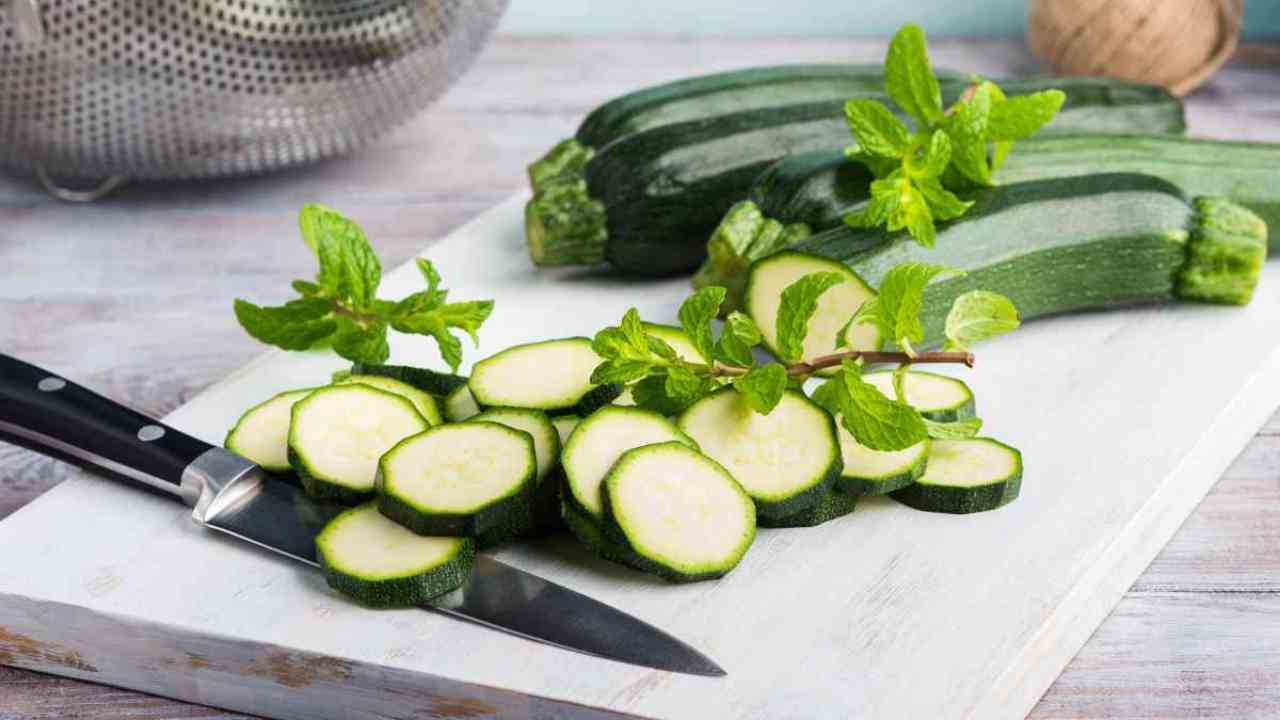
46, 413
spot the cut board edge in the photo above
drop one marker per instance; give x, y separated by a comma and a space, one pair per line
255, 678
1100, 590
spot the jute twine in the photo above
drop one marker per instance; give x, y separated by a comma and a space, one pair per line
1176, 44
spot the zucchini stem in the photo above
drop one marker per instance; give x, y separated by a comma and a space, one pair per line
826, 361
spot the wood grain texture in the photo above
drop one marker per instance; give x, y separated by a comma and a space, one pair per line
117, 313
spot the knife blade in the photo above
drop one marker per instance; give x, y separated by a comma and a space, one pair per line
230, 495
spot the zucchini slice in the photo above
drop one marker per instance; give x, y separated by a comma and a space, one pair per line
337, 434
460, 405
472, 479
423, 401
877, 472
786, 460
599, 441
546, 450
261, 435
374, 561
940, 398
428, 381
835, 504
680, 512
554, 375
769, 277
965, 476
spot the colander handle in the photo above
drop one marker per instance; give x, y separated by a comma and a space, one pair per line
93, 194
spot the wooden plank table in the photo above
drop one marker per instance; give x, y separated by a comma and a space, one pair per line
132, 297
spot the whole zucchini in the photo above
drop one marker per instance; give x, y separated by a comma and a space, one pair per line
809, 192
706, 96
1068, 244
646, 202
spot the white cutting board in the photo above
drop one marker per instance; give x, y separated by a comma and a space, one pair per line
1125, 420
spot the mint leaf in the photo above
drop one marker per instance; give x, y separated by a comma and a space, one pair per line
874, 420
633, 329
362, 342
979, 315
958, 430
876, 130
1023, 115
661, 348
683, 387
348, 266
909, 79
897, 204
895, 311
466, 316
306, 288
619, 372
433, 324
799, 302
943, 204
967, 128
696, 314
763, 387
937, 155
429, 274
296, 325
651, 394
738, 336
828, 395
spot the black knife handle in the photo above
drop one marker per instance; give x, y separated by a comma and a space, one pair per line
44, 412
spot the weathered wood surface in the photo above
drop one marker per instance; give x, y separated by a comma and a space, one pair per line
141, 314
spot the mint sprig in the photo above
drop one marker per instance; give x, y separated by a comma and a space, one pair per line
917, 170
341, 306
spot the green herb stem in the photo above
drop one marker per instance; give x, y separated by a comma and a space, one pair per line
875, 357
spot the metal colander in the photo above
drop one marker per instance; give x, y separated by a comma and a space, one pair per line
166, 89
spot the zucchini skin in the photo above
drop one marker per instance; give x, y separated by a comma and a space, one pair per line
429, 381
591, 534
835, 504
645, 203
728, 92
1064, 245
885, 484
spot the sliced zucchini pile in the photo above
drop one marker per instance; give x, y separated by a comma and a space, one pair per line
680, 513
592, 450
938, 397
598, 442
381, 564
786, 460
460, 405
472, 479
554, 376
261, 435
338, 433
965, 476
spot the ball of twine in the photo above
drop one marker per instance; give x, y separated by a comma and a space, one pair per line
1176, 44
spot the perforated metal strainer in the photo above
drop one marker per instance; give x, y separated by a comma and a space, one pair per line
168, 89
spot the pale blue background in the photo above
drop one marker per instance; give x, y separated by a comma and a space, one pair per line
821, 17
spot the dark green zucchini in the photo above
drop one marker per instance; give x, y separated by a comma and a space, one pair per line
1069, 244
812, 191
706, 96
646, 202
